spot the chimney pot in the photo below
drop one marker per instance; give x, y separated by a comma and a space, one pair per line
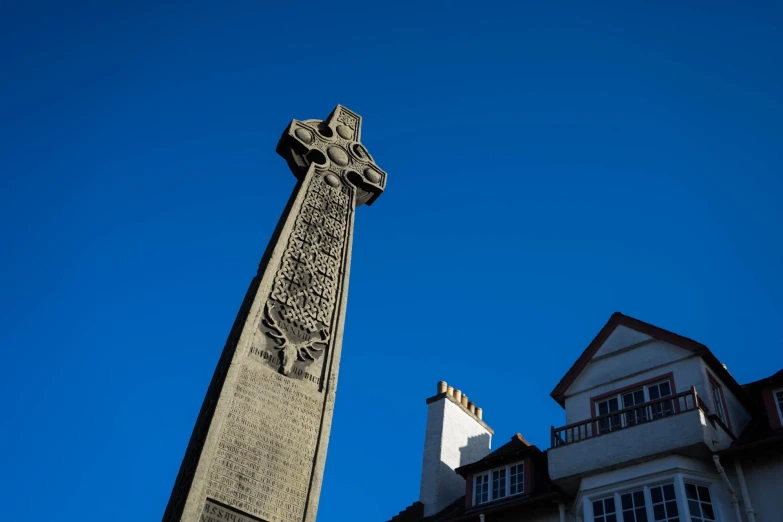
465, 400
458, 395
450, 390
478, 413
442, 387
472, 407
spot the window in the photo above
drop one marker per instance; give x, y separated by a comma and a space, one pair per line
655, 503
777, 396
603, 510
664, 504
499, 483
633, 507
634, 397
656, 391
609, 423
717, 400
516, 479
699, 503
481, 489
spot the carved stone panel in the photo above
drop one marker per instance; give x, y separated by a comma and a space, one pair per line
267, 446
299, 314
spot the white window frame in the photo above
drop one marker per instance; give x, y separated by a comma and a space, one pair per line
718, 402
677, 479
645, 391
520, 481
476, 478
778, 404
507, 488
700, 483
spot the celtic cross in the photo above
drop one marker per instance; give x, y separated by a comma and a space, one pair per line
333, 148
329, 157
259, 446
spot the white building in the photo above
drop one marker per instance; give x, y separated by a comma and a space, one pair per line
656, 430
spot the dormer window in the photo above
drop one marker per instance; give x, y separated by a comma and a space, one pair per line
499, 483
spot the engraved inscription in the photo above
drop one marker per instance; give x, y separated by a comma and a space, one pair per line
267, 447
300, 309
216, 513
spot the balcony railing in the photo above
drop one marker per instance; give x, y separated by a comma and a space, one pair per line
627, 418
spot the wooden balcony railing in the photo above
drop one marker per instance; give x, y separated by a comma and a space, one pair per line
627, 418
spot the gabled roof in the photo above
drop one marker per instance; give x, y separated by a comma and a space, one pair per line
515, 448
655, 332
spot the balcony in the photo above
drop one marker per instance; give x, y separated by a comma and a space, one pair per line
678, 423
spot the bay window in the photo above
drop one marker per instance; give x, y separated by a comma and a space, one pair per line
699, 503
657, 502
633, 506
664, 504
603, 510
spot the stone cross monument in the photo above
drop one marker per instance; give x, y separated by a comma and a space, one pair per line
258, 449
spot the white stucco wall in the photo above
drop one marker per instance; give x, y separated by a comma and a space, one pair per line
620, 338
624, 368
453, 438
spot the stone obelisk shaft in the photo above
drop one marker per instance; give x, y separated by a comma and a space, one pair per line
258, 449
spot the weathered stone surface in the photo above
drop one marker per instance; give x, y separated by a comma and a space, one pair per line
258, 449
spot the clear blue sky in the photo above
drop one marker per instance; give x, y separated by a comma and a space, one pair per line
549, 163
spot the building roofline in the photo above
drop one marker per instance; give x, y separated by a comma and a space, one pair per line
618, 319
502, 454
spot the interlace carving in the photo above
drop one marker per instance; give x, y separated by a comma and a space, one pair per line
299, 311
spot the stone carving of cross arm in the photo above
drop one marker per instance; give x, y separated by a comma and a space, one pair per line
333, 148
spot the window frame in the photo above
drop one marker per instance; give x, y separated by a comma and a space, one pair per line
716, 517
715, 383
486, 485
520, 464
678, 482
665, 502
778, 403
507, 485
634, 508
617, 394
603, 500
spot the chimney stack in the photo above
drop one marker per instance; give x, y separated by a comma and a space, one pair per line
455, 436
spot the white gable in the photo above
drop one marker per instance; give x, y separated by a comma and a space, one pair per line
621, 337
622, 364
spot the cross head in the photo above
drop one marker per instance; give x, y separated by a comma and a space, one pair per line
333, 148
